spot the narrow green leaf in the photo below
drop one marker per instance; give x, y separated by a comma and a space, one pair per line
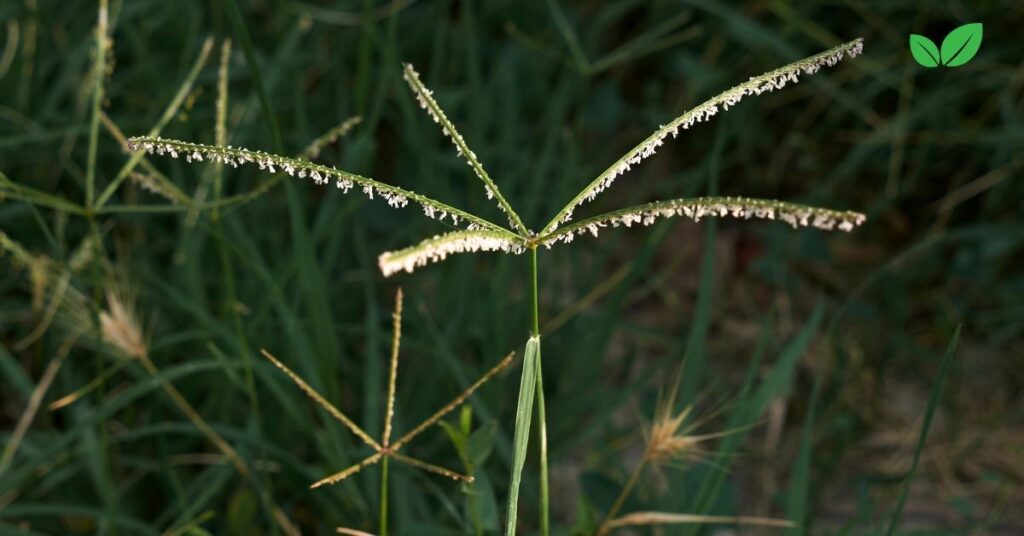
929, 412
924, 51
14, 375
481, 442
521, 439
779, 379
237, 22
798, 496
961, 44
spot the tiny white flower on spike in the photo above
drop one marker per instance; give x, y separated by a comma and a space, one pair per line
427, 102
696, 208
396, 197
438, 248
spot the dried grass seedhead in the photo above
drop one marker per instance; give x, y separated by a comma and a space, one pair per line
671, 436
120, 326
667, 438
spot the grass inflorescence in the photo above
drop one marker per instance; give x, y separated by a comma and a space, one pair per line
138, 292
483, 235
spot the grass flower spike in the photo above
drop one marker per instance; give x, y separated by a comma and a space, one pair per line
386, 448
427, 102
436, 249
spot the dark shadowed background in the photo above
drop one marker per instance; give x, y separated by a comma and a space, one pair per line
837, 337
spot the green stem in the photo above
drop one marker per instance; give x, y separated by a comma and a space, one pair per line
545, 522
384, 496
545, 518
99, 71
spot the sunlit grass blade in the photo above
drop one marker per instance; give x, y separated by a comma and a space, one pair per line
933, 402
220, 137
696, 208
396, 197
767, 82
665, 518
339, 131
99, 74
521, 437
352, 532
438, 248
428, 103
13, 190
34, 401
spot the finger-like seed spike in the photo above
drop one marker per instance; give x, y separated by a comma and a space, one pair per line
794, 214
342, 475
439, 247
427, 102
395, 197
393, 377
437, 469
322, 402
757, 85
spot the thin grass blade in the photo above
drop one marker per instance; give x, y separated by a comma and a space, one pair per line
521, 438
933, 402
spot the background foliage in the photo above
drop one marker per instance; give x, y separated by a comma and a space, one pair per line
837, 337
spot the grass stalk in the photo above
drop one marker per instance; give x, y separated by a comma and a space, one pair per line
99, 71
34, 401
545, 517
384, 496
621, 499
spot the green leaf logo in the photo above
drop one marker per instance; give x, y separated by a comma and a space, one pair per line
924, 50
958, 48
961, 45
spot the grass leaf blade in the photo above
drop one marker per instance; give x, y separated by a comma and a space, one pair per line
933, 402
521, 439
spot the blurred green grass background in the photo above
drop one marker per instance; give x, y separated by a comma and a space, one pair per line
840, 335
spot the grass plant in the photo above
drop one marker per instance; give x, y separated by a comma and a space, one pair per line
137, 292
483, 235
